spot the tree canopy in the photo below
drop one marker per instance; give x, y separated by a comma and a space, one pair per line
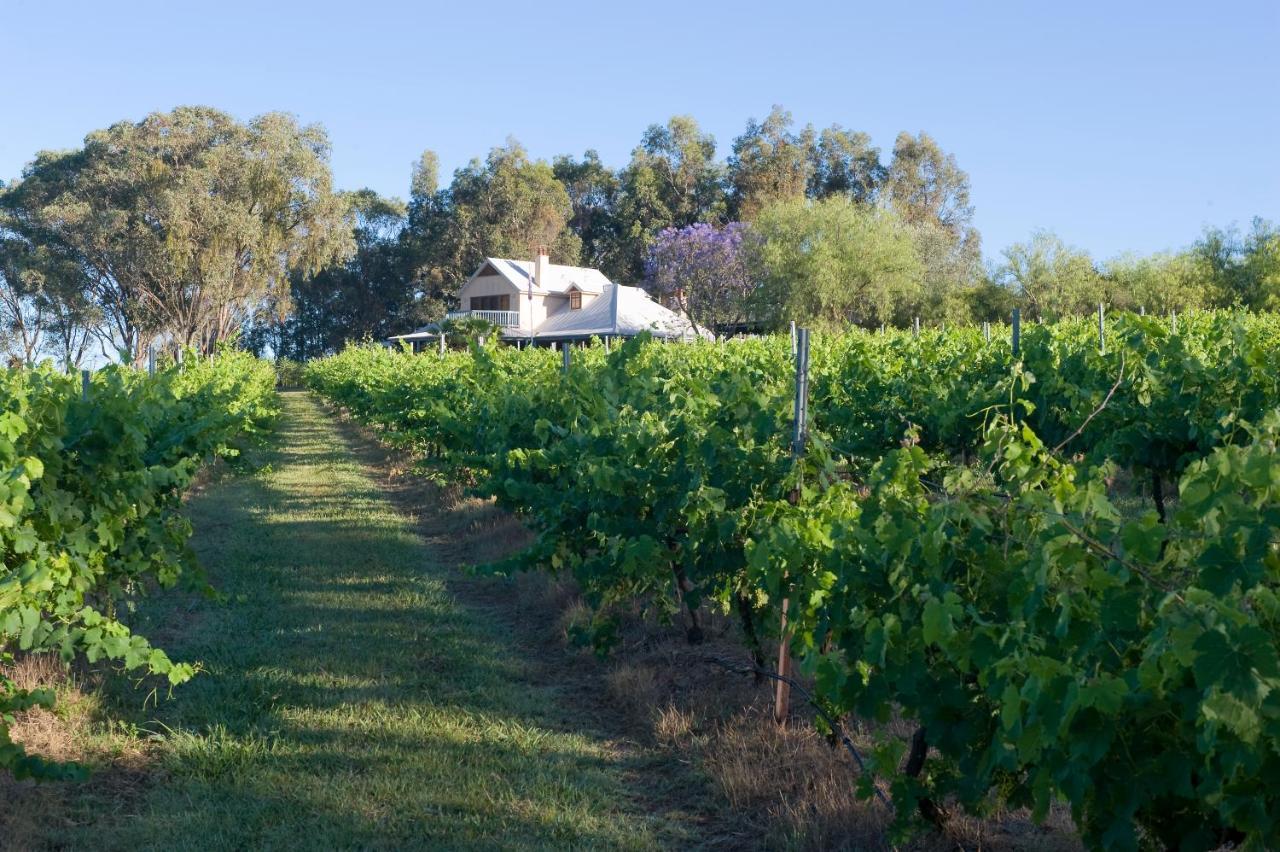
832, 262
183, 225
703, 271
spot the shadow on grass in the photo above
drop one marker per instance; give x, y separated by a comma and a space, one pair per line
347, 700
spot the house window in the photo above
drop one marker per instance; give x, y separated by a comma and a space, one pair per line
575, 300
491, 303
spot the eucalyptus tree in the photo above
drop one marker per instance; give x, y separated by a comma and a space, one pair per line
844, 162
185, 223
594, 191
770, 163
930, 192
504, 206
369, 295
43, 308
673, 180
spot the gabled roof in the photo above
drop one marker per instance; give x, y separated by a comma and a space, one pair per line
559, 277
619, 312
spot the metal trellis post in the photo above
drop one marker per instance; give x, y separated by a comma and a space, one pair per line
799, 434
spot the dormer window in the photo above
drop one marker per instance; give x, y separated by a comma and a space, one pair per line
575, 300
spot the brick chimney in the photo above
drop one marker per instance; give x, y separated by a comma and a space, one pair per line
542, 267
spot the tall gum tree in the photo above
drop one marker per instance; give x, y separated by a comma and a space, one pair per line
186, 223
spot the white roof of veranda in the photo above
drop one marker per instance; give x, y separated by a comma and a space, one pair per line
620, 311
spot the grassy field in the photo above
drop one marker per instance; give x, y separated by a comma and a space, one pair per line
348, 700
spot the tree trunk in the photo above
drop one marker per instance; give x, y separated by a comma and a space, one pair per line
915, 765
1157, 494
683, 585
746, 614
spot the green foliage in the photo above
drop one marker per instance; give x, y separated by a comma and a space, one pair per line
957, 555
185, 223
1243, 269
831, 263
90, 506
1158, 283
369, 296
771, 164
504, 206
1052, 279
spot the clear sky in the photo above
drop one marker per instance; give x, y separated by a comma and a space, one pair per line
1120, 125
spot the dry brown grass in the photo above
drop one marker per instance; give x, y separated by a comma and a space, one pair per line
61, 734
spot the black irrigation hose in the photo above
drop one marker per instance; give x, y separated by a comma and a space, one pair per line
813, 702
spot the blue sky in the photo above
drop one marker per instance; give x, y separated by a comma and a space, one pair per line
1121, 126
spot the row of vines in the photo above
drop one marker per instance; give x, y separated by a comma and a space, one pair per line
91, 481
1062, 565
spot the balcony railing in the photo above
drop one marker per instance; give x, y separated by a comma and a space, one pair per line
506, 319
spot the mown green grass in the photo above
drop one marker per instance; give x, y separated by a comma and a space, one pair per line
347, 701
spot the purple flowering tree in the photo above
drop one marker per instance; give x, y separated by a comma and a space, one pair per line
702, 271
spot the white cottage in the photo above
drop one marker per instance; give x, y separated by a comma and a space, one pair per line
541, 302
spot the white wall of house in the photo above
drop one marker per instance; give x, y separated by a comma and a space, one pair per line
484, 285
533, 312
494, 285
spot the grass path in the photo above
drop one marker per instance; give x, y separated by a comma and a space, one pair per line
348, 700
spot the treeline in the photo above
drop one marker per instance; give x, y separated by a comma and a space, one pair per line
411, 259
188, 227
816, 225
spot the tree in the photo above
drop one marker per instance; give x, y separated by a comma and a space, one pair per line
702, 269
770, 163
989, 300
673, 180
844, 162
926, 186
184, 223
1241, 269
1159, 283
593, 192
1053, 279
951, 272
831, 262
505, 206
930, 192
43, 307
369, 296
